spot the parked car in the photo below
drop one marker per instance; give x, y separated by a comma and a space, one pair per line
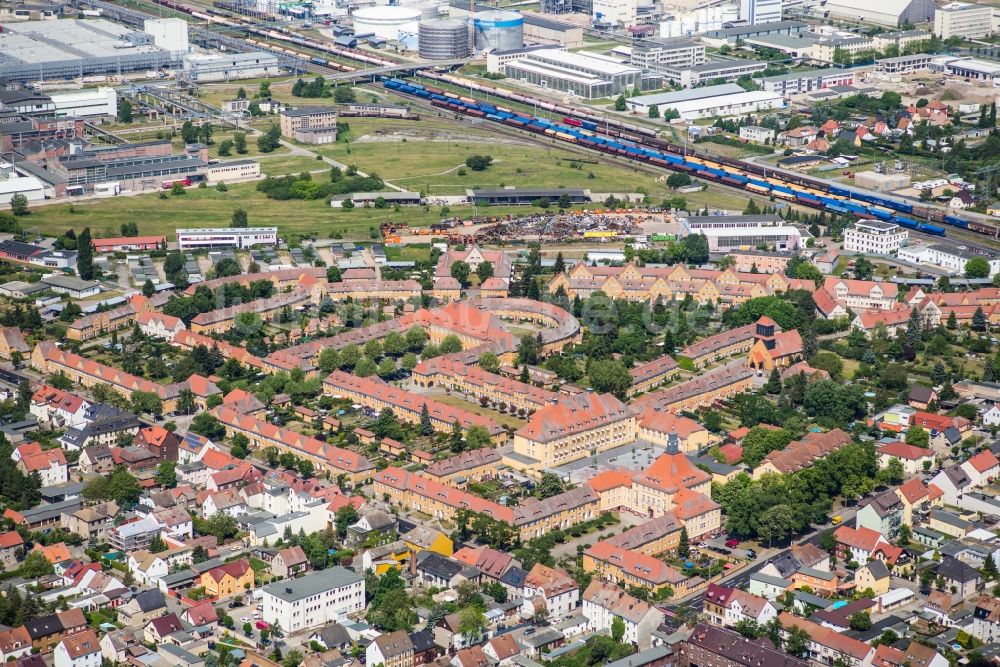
262, 625
732, 542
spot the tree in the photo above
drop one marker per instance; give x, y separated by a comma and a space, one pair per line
773, 385
240, 142
125, 111
471, 624
654, 111
477, 437
620, 103
610, 376
695, 248
148, 288
979, 321
35, 565
123, 487
460, 271
270, 140
863, 268
484, 271
345, 516
860, 621
166, 474
617, 628
678, 180
85, 255
797, 642
489, 362
977, 267
684, 547
205, 423
478, 162
918, 436
240, 218
776, 523
19, 204
550, 485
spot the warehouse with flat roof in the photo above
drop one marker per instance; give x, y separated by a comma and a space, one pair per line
709, 102
893, 13
587, 75
525, 196
70, 48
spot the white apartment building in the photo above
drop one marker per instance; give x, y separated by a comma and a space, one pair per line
603, 602
945, 256
757, 134
731, 232
965, 20
760, 11
677, 52
232, 237
875, 237
313, 600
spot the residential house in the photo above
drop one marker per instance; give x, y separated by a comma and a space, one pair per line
882, 513
289, 562
986, 619
604, 602
874, 575
959, 577
230, 579
857, 544
391, 649
145, 605
314, 599
201, 614
915, 460
374, 527
713, 645
46, 631
827, 645
11, 548
49, 464
549, 592
729, 606
81, 649
157, 629
93, 522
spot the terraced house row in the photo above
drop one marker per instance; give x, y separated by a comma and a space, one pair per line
48, 359
495, 390
648, 283
441, 501
323, 456
407, 406
268, 310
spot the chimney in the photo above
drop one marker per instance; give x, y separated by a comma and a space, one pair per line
288, 589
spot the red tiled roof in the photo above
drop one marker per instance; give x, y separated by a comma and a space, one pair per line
671, 473
901, 450
983, 461
610, 479
10, 539
860, 538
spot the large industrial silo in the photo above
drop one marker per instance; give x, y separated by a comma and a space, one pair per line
499, 30
387, 22
444, 39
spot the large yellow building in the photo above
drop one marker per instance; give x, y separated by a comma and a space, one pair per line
227, 580
573, 428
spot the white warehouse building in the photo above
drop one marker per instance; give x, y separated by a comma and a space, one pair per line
102, 101
950, 258
893, 13
709, 102
222, 237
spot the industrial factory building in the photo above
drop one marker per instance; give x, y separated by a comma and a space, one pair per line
892, 13
72, 48
584, 74
708, 102
205, 67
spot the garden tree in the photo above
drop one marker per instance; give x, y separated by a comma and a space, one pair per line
477, 437
892, 473
478, 162
610, 376
620, 103
684, 546
329, 360
776, 524
426, 427
977, 267
712, 421
205, 423
345, 516
157, 545
166, 474
34, 566
797, 642
695, 248
617, 628
484, 271
489, 362
759, 442
460, 271
185, 401
226, 148
654, 111
749, 628
979, 321
560, 263
227, 266
147, 402
270, 140
678, 180
123, 487
241, 446
240, 142
450, 344
860, 621
989, 570
19, 204
471, 623
148, 288
365, 368
125, 111
85, 255
386, 425
240, 218
409, 361
773, 385
863, 268
918, 436
834, 404
829, 362
390, 608
221, 526
550, 485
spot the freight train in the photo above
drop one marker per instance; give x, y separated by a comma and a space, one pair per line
638, 145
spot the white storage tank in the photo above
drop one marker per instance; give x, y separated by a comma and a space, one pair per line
499, 30
387, 22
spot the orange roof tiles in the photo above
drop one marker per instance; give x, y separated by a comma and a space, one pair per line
610, 479
574, 414
901, 450
983, 461
672, 472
